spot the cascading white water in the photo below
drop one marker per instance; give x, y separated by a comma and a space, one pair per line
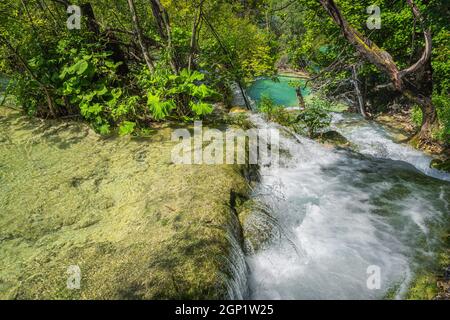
342, 213
372, 139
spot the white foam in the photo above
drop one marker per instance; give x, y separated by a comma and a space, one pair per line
337, 221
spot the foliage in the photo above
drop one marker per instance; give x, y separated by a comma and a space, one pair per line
81, 72
266, 105
311, 120
251, 52
442, 103
97, 72
80, 77
315, 117
166, 90
313, 42
416, 116
274, 112
423, 288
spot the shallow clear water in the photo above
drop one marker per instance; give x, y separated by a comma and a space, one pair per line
117, 207
338, 212
280, 92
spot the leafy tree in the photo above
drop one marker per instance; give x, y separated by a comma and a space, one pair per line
132, 62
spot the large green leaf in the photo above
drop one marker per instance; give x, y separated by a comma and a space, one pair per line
126, 128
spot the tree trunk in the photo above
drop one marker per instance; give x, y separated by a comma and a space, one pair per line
361, 105
88, 12
301, 101
165, 32
384, 62
194, 37
138, 33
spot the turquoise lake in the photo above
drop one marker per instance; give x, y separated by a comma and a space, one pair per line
280, 92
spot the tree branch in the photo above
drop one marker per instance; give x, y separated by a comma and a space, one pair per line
426, 54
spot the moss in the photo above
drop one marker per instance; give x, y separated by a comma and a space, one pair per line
443, 165
138, 226
433, 282
424, 287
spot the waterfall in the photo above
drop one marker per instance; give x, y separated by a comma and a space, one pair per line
344, 213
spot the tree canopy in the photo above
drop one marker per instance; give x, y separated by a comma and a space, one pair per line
133, 62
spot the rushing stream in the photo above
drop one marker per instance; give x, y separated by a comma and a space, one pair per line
339, 213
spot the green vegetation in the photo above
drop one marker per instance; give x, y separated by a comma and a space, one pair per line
314, 118
137, 62
122, 83
312, 41
423, 288
425, 285
273, 112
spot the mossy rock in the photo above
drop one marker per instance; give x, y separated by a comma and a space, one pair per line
424, 287
334, 138
258, 227
440, 164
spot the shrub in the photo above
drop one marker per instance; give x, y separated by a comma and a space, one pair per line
76, 76
274, 112
416, 116
80, 78
184, 96
315, 117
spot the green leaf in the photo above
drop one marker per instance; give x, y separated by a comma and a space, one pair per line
201, 108
80, 67
159, 109
116, 93
102, 91
126, 128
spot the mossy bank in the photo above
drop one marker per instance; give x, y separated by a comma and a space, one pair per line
137, 225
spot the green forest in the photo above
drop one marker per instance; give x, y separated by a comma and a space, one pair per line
92, 92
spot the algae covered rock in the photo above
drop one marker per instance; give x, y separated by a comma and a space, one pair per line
441, 164
334, 138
